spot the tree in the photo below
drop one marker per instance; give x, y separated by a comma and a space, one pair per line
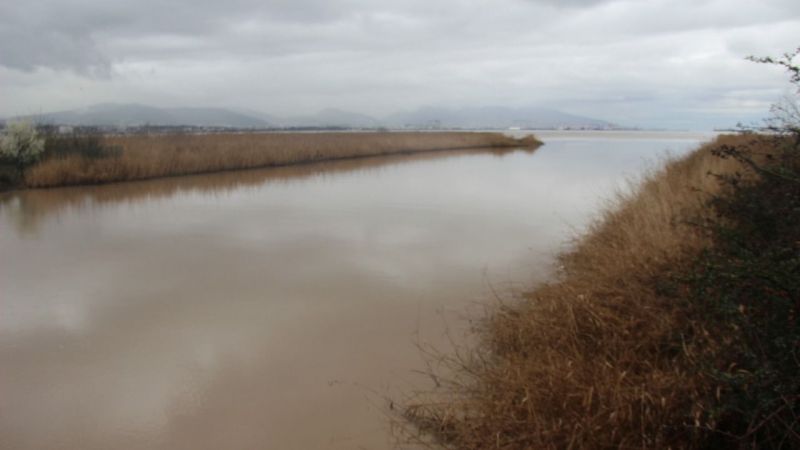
783, 127
22, 145
785, 113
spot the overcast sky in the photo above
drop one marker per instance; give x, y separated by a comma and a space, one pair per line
660, 63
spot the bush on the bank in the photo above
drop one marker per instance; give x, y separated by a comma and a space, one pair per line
21, 145
747, 284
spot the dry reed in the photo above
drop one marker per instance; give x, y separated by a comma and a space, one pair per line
29, 207
144, 157
602, 357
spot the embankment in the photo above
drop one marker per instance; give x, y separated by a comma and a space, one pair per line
143, 157
641, 342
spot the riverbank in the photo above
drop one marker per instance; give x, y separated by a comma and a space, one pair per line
37, 205
142, 157
673, 323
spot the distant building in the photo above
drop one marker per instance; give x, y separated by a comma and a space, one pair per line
65, 129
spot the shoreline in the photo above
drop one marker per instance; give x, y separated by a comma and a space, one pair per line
159, 156
614, 351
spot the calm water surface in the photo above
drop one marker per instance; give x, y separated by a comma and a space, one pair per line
273, 308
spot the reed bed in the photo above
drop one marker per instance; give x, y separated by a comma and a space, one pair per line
606, 356
30, 207
143, 157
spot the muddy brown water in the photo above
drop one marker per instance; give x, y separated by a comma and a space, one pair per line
275, 308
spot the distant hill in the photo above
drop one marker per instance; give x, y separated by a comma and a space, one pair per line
492, 117
130, 115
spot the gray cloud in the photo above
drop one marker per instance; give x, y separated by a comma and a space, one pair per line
570, 3
29, 40
609, 58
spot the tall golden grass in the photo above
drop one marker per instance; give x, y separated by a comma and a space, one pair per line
602, 357
145, 157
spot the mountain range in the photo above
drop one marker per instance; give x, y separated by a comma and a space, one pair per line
129, 115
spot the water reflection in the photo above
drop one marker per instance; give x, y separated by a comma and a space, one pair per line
26, 209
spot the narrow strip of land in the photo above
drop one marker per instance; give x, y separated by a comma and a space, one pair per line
125, 158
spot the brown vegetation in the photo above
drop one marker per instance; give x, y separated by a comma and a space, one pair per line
28, 207
608, 356
142, 157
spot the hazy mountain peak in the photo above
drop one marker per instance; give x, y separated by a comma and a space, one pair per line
483, 117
